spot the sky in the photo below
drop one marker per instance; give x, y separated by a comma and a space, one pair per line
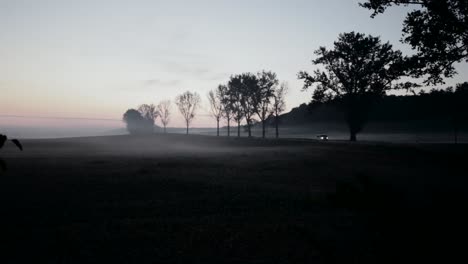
94, 59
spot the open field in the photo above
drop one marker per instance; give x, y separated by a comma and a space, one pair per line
200, 199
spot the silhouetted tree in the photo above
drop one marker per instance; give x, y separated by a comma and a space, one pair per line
267, 82
216, 106
164, 109
188, 104
249, 90
235, 96
358, 70
226, 106
279, 104
149, 112
246, 84
437, 30
136, 123
4, 139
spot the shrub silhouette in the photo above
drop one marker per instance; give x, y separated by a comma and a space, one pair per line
4, 139
137, 124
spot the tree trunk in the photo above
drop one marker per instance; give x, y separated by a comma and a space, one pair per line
217, 128
229, 127
276, 126
164, 129
187, 128
354, 120
248, 127
263, 128
238, 129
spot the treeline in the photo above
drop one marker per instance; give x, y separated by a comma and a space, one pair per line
448, 105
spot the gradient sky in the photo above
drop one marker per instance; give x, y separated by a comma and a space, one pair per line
95, 59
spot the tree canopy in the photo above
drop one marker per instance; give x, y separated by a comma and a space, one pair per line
437, 30
136, 123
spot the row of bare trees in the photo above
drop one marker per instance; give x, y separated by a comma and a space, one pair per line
248, 96
245, 97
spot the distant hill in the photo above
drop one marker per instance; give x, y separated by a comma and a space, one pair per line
305, 115
424, 112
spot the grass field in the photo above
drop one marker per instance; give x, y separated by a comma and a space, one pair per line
201, 199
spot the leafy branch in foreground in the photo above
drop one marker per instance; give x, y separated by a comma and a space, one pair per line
4, 139
437, 30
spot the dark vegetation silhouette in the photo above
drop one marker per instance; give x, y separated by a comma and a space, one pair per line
3, 140
140, 121
358, 71
437, 30
188, 104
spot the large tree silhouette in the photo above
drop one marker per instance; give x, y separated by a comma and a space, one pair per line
188, 104
437, 30
358, 70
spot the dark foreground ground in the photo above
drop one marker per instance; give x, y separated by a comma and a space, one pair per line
197, 199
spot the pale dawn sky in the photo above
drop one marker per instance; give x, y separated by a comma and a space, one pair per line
97, 58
